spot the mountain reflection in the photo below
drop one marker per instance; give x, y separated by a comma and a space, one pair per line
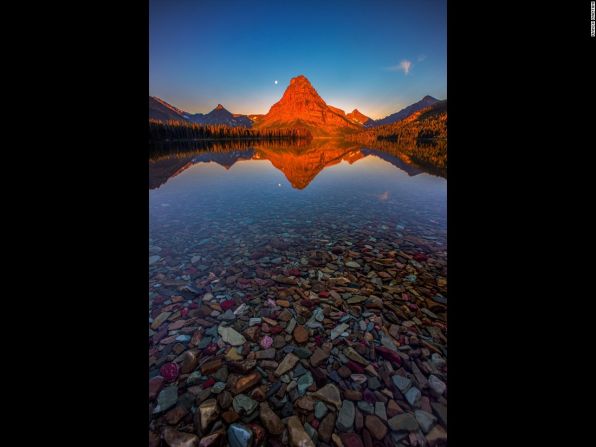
300, 161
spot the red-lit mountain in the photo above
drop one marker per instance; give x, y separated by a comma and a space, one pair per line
302, 107
358, 117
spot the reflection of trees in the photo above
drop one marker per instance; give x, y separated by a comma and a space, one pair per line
422, 136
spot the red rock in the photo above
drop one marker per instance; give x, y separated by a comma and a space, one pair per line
230, 416
208, 383
324, 294
294, 272
169, 371
388, 354
227, 304
211, 349
355, 367
300, 334
276, 329
351, 440
155, 386
184, 312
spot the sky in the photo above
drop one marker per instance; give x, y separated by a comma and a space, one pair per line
376, 56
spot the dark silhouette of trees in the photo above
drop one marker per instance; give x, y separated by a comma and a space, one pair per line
183, 131
422, 136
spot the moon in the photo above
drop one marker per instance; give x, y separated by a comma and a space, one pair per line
275, 82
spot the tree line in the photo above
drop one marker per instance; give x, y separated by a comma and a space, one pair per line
422, 136
184, 131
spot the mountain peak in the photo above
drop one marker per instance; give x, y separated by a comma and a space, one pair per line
301, 106
355, 111
219, 107
429, 98
300, 79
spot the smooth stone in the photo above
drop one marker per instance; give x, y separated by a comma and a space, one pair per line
302, 352
291, 325
353, 395
380, 410
212, 440
320, 410
436, 384
311, 431
301, 334
403, 422
375, 426
374, 383
175, 438
352, 264
246, 382
270, 420
218, 387
166, 399
209, 413
338, 330
436, 436
153, 259
304, 382
345, 418
351, 440
425, 420
155, 386
176, 414
329, 394
402, 383
224, 399
366, 407
254, 321
265, 354
297, 435
327, 427
318, 357
299, 370
160, 319
351, 353
286, 364
243, 402
230, 336
239, 435
189, 362
413, 396
440, 410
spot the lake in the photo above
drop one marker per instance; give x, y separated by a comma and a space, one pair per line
323, 253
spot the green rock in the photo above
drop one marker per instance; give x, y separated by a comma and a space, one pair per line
305, 382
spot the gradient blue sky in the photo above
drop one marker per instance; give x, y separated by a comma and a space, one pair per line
205, 52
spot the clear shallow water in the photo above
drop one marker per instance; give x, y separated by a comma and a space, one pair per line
355, 235
241, 199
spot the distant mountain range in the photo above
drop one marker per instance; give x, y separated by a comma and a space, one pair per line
427, 101
161, 110
299, 107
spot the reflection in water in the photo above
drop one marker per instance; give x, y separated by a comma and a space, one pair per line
300, 163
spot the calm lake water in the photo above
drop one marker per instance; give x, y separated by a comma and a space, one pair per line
229, 202
326, 254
